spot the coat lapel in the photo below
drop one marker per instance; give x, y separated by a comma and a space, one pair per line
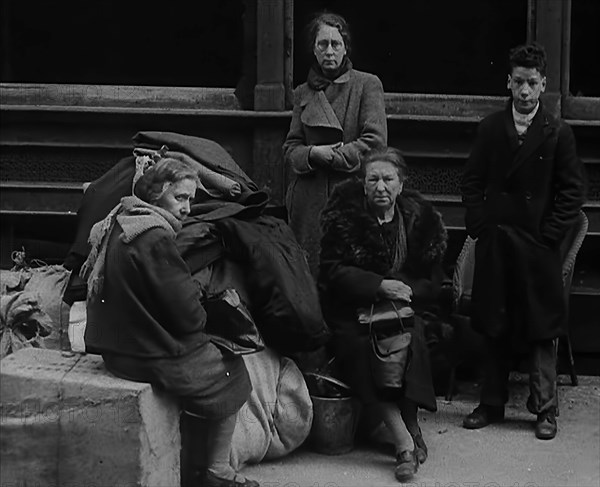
537, 133
511, 131
318, 111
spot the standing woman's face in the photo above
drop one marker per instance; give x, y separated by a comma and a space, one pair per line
329, 48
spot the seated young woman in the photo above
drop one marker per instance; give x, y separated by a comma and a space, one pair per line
146, 319
380, 242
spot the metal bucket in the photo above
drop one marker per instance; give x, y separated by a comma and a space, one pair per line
335, 415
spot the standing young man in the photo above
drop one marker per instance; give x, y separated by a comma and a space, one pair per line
522, 188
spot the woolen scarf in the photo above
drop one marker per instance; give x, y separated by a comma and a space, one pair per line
318, 81
135, 217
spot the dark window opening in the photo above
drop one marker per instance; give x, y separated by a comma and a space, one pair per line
175, 43
425, 46
585, 48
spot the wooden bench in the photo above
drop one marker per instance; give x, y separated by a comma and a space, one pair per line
65, 420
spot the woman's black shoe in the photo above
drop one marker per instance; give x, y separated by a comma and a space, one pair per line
406, 466
420, 447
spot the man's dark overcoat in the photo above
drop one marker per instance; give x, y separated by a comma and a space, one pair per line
520, 200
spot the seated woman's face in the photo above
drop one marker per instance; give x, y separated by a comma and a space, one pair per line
329, 48
382, 184
176, 198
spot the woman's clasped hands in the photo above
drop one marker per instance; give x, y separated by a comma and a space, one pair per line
395, 290
322, 155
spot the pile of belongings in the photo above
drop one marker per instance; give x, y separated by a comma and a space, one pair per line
228, 241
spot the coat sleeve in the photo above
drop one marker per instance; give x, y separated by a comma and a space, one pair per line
473, 184
346, 282
169, 282
569, 187
372, 123
295, 148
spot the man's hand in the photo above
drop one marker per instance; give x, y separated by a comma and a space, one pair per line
322, 155
394, 289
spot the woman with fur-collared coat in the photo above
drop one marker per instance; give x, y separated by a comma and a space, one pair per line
339, 113
382, 242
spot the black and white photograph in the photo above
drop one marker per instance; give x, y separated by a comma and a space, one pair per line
300, 243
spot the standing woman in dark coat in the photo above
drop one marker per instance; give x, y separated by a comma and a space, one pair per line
339, 113
522, 189
382, 242
145, 316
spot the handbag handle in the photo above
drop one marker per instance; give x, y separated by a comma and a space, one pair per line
395, 309
374, 338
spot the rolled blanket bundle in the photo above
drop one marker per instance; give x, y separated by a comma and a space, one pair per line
214, 184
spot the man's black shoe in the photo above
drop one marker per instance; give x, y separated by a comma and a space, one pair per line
545, 426
483, 415
420, 447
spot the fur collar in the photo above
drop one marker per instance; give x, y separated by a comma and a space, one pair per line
353, 231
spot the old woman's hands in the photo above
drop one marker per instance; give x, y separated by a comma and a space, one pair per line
394, 289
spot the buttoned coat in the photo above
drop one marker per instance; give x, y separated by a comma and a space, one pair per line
148, 323
350, 110
520, 200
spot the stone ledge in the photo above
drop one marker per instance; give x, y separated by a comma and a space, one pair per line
68, 421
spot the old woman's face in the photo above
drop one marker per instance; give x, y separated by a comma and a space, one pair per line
329, 48
382, 185
177, 197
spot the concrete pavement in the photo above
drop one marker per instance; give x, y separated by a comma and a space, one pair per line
506, 454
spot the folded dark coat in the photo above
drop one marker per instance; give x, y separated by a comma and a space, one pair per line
282, 294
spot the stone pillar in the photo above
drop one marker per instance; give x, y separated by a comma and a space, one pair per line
269, 93
273, 88
549, 27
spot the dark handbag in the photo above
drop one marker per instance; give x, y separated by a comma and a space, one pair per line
230, 325
390, 342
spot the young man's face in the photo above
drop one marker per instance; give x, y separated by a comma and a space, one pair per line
526, 86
